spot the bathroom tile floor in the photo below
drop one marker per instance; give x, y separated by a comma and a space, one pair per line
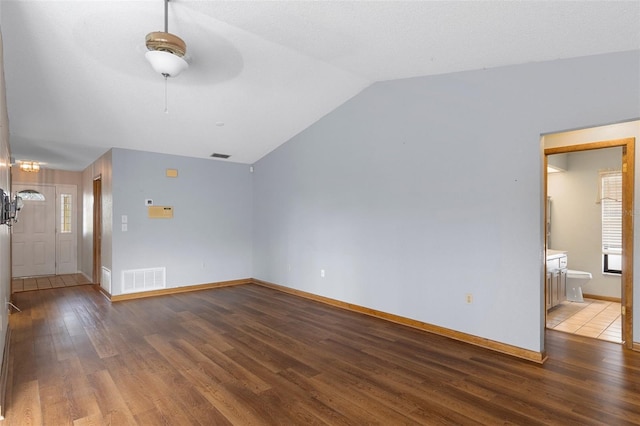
598, 319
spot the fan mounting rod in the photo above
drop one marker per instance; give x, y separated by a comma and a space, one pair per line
164, 41
166, 50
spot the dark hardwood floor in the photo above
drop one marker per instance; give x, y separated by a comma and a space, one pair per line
248, 355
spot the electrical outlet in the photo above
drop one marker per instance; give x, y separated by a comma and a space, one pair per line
321, 273
469, 298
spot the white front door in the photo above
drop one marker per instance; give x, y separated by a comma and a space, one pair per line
34, 235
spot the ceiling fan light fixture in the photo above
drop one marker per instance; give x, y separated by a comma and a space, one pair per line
166, 63
160, 40
166, 50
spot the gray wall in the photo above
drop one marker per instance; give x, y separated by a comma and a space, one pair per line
209, 238
419, 191
577, 219
5, 233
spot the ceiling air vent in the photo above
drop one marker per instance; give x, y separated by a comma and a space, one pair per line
218, 155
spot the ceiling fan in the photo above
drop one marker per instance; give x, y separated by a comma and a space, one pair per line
165, 50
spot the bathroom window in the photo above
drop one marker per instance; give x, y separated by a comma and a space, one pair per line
611, 204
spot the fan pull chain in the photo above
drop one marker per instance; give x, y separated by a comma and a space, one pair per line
166, 108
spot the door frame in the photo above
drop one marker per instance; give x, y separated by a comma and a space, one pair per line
628, 173
97, 229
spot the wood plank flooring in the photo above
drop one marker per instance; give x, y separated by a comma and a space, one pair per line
248, 355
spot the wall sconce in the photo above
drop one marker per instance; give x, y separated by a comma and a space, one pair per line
30, 166
10, 209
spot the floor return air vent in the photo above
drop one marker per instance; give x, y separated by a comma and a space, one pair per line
136, 280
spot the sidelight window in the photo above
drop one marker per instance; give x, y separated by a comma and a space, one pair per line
65, 213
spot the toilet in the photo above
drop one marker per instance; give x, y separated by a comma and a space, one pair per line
575, 280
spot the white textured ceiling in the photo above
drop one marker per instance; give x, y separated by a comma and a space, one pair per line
260, 71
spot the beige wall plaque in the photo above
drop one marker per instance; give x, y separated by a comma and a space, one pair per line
160, 212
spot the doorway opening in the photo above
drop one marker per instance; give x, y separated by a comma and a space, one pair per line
558, 266
45, 238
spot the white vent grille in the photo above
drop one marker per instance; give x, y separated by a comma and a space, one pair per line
136, 280
105, 280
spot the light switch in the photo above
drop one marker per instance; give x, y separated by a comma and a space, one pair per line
124, 227
124, 218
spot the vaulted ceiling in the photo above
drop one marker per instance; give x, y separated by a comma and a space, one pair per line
260, 71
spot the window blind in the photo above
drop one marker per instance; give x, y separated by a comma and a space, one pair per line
611, 203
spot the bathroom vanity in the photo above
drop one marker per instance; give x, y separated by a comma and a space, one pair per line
556, 282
